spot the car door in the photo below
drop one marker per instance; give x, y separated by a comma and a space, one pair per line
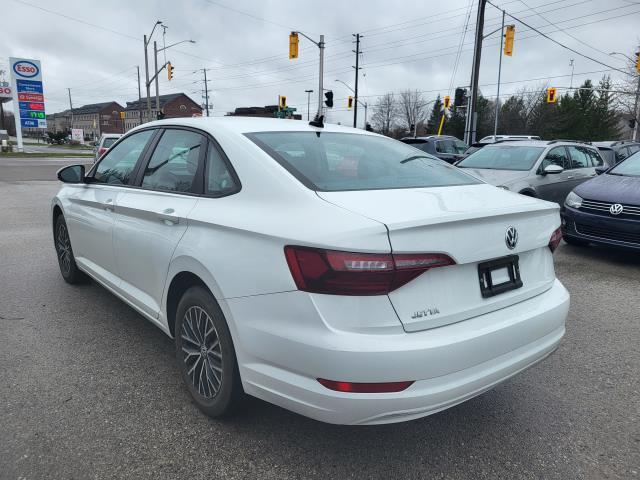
552, 187
90, 215
151, 219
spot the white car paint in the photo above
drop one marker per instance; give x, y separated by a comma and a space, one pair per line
135, 242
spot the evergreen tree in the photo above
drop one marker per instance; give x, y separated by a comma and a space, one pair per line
434, 119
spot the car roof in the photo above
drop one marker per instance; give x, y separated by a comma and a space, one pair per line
241, 125
112, 135
430, 137
539, 143
615, 143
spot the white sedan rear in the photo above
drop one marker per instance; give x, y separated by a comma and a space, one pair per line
337, 273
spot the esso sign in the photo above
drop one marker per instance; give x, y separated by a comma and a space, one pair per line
5, 90
26, 69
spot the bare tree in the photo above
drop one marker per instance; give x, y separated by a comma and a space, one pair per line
385, 113
413, 108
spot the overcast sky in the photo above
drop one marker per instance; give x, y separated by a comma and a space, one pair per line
93, 47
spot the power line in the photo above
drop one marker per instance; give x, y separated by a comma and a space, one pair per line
559, 43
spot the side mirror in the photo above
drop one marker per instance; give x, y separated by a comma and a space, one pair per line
601, 169
71, 174
552, 169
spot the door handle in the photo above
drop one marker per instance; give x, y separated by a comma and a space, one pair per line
570, 177
108, 204
168, 218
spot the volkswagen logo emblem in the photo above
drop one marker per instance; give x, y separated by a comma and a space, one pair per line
616, 209
511, 238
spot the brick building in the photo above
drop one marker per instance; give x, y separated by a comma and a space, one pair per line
98, 118
173, 105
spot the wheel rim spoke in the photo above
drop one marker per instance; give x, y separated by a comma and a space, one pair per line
201, 351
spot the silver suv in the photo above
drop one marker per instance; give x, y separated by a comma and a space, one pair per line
543, 169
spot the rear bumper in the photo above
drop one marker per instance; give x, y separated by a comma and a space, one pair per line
600, 229
448, 365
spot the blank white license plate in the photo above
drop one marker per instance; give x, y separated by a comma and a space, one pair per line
500, 275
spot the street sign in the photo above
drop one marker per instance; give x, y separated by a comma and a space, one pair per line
77, 135
26, 79
5, 91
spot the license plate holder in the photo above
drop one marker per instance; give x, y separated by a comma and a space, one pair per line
499, 275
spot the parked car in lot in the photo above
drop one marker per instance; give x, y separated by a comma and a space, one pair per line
445, 147
606, 209
105, 143
615, 151
543, 169
332, 271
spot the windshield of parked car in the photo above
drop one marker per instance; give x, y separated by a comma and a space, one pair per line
503, 157
329, 161
629, 167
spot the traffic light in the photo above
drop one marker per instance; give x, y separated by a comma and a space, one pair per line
447, 102
328, 95
460, 97
552, 95
293, 45
508, 40
169, 71
349, 102
282, 101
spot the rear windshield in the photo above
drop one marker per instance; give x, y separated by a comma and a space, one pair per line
328, 161
108, 142
503, 157
629, 167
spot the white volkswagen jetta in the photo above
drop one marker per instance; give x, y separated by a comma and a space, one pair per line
337, 273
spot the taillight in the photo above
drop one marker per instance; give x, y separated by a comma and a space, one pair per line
101, 150
554, 241
348, 273
351, 387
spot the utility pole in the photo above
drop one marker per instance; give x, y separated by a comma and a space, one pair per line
139, 96
155, 63
321, 74
147, 84
636, 106
355, 106
572, 66
206, 91
308, 92
495, 127
294, 54
70, 106
471, 124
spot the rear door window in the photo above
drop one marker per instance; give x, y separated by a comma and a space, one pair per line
175, 162
578, 158
596, 159
555, 156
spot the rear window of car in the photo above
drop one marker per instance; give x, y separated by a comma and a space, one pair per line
503, 157
329, 161
630, 167
108, 142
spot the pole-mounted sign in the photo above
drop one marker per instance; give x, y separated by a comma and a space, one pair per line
28, 95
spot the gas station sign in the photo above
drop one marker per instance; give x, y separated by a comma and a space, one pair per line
26, 76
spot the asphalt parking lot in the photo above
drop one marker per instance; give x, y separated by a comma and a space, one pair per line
89, 388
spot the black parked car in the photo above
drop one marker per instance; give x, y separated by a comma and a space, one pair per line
445, 147
615, 151
606, 209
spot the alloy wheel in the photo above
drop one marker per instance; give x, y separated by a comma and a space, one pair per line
63, 245
201, 351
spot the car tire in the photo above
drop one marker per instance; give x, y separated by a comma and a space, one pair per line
66, 261
205, 354
574, 241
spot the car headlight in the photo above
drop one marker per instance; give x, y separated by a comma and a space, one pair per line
504, 187
573, 200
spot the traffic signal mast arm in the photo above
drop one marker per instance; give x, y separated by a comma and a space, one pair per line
157, 73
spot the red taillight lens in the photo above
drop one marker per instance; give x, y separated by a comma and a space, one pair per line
349, 273
101, 150
554, 241
351, 387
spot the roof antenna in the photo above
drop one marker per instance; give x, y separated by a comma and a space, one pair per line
318, 121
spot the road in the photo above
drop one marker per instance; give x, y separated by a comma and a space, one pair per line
90, 389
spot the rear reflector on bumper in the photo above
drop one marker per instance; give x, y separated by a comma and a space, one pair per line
554, 241
348, 273
351, 387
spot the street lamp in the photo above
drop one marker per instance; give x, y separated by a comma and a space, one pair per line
155, 57
308, 92
624, 55
146, 67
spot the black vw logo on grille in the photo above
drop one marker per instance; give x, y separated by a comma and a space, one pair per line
511, 238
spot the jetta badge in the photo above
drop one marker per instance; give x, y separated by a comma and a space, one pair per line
616, 209
511, 238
